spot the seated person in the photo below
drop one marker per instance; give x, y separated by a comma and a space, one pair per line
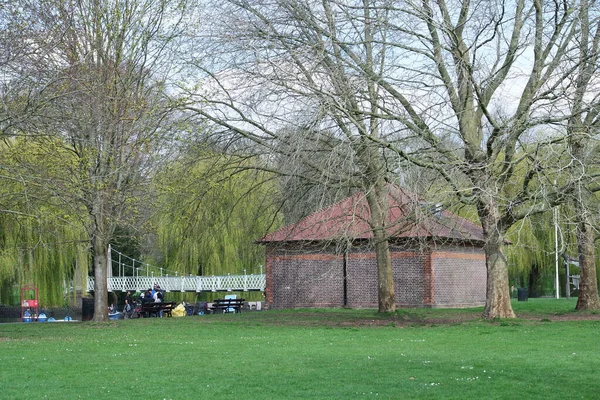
148, 297
158, 295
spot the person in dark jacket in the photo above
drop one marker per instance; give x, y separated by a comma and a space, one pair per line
148, 297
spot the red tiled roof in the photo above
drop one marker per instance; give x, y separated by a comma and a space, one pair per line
408, 217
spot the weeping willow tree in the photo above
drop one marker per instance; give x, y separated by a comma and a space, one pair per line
41, 241
213, 207
39, 251
531, 254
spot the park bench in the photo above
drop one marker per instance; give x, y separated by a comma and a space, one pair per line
154, 309
227, 305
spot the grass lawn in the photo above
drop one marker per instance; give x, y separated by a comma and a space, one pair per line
549, 352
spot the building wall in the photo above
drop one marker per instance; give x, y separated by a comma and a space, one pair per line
446, 277
361, 270
459, 278
299, 280
410, 281
407, 269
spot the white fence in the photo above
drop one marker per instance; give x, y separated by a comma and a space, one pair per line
185, 283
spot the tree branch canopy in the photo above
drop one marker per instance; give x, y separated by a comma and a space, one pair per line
479, 95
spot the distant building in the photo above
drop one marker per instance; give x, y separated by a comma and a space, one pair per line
327, 259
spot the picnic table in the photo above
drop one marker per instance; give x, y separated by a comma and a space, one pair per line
227, 305
154, 309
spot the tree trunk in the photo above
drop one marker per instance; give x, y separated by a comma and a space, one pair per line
100, 250
497, 303
386, 296
588, 285
378, 203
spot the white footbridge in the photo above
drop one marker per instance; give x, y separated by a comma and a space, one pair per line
135, 275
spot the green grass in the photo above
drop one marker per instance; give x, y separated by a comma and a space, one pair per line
321, 354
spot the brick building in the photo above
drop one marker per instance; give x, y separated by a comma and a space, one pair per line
327, 259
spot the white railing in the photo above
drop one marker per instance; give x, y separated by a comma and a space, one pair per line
184, 283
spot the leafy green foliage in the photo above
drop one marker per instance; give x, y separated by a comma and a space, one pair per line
42, 240
213, 208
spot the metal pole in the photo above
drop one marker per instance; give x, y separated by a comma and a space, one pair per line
121, 273
557, 283
109, 263
567, 285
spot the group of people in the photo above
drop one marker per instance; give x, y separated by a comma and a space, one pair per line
153, 295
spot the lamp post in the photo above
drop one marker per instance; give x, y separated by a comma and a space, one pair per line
556, 250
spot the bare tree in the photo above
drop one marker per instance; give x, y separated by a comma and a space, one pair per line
481, 57
471, 90
19, 94
278, 70
475, 54
108, 65
582, 129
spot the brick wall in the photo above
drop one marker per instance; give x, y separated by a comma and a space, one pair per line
361, 270
447, 277
409, 281
407, 268
304, 280
459, 278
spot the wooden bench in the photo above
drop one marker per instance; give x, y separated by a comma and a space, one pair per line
227, 305
154, 309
